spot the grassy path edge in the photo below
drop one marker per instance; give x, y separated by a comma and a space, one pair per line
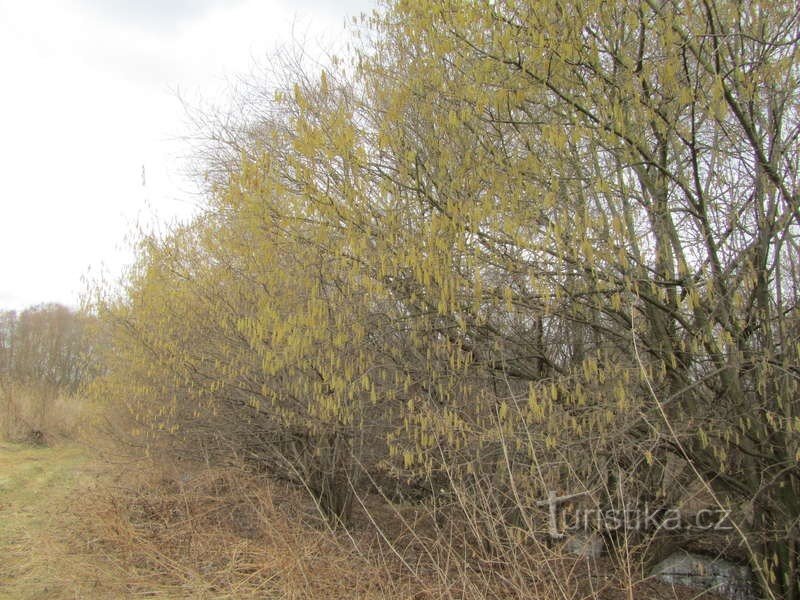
36, 485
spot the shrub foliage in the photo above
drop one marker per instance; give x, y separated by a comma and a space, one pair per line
511, 247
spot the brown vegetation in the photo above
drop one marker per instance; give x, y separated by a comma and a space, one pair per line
223, 533
45, 356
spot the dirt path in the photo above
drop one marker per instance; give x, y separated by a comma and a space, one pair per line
36, 485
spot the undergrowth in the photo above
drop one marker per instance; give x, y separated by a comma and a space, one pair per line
227, 533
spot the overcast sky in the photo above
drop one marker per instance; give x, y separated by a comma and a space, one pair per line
91, 125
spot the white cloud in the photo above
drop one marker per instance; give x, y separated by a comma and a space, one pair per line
89, 98
150, 15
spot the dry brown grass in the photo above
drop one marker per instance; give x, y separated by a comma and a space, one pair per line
71, 527
226, 533
41, 416
221, 533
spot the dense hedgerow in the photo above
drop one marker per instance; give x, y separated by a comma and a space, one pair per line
510, 247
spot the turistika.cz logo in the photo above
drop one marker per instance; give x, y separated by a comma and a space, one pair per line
565, 519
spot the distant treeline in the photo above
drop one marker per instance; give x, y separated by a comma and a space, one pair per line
46, 345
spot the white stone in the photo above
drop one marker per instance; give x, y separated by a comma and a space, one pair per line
725, 578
